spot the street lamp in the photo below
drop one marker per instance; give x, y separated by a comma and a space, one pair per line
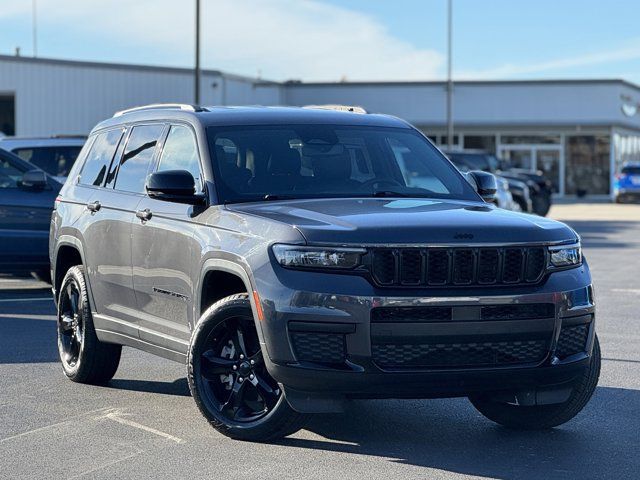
197, 68
449, 79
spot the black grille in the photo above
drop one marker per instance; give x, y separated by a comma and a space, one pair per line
389, 356
314, 347
522, 311
573, 339
457, 266
410, 314
517, 312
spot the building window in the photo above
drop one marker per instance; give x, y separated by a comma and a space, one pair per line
442, 141
626, 149
530, 139
587, 165
481, 142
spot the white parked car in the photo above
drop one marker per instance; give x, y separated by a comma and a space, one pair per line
55, 155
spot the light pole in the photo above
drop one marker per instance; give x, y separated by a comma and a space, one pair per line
449, 79
197, 68
34, 28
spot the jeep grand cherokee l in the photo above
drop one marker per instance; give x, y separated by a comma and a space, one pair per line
292, 261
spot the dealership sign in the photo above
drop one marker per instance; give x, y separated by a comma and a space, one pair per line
629, 105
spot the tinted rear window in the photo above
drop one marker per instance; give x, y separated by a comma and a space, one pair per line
56, 160
137, 158
99, 157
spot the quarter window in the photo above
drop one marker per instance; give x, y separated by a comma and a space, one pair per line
137, 158
180, 152
99, 157
9, 174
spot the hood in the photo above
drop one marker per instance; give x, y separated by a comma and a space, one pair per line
406, 221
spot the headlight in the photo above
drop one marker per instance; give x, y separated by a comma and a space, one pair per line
565, 255
300, 256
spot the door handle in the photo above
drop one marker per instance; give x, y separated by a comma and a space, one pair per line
144, 215
94, 206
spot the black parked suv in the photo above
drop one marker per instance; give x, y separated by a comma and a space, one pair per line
282, 255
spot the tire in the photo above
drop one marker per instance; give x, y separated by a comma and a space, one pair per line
541, 204
43, 275
521, 204
254, 409
85, 359
542, 417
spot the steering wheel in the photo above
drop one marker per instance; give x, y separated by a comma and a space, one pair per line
374, 181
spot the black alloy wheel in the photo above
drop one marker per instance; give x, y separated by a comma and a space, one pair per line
233, 370
70, 323
85, 359
228, 376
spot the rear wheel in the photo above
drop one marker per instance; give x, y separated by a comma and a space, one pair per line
544, 416
85, 359
228, 377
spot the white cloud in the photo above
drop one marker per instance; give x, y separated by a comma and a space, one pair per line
303, 39
631, 51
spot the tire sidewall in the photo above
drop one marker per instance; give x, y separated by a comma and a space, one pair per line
235, 306
75, 275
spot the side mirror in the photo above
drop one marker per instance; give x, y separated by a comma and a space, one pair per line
34, 180
173, 186
486, 185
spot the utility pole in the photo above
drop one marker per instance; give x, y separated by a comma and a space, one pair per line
197, 69
449, 79
34, 28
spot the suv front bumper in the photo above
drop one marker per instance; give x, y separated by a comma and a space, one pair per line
325, 347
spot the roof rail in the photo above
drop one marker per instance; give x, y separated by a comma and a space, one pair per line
340, 108
162, 106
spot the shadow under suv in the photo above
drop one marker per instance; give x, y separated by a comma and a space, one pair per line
297, 258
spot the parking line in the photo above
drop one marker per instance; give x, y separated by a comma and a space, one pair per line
115, 416
53, 425
10, 300
626, 290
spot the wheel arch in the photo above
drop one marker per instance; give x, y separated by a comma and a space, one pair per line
69, 252
236, 275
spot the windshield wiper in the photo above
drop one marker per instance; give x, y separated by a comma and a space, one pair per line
272, 196
389, 193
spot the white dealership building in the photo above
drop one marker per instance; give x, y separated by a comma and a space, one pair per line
578, 131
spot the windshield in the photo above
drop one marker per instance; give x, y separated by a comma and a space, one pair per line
253, 163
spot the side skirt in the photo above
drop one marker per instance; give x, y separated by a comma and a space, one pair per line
122, 339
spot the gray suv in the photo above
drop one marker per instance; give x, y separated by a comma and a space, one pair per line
297, 258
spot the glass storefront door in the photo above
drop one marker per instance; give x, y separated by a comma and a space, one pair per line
518, 157
549, 162
536, 157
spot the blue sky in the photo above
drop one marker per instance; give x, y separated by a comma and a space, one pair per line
335, 39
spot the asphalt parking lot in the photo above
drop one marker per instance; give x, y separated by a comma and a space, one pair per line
144, 424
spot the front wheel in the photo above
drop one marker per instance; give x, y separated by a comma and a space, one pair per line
544, 416
228, 377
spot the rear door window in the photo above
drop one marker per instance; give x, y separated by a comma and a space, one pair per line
137, 158
99, 157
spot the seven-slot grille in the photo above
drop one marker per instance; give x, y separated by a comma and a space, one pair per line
457, 266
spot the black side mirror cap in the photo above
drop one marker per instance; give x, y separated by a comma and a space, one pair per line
174, 186
34, 179
486, 185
